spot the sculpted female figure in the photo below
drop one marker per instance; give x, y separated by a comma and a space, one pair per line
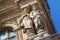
35, 15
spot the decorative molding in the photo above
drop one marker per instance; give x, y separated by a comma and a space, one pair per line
6, 9
11, 24
23, 6
1, 0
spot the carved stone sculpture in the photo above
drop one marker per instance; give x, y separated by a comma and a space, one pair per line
27, 24
35, 15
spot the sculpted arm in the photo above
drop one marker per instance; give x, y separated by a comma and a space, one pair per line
31, 14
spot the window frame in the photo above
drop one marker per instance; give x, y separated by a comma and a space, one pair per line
7, 34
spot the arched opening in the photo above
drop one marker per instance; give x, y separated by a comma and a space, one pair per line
7, 33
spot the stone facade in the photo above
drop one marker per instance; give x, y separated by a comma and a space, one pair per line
12, 14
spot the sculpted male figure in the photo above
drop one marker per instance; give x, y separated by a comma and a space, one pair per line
27, 23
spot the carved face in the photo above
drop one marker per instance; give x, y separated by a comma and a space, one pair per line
34, 7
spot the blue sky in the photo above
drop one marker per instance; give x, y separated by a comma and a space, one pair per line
55, 13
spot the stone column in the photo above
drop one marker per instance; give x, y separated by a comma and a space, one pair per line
24, 35
20, 34
17, 36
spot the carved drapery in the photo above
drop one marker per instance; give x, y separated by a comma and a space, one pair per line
40, 15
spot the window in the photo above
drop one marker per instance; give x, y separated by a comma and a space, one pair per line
2, 35
7, 34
